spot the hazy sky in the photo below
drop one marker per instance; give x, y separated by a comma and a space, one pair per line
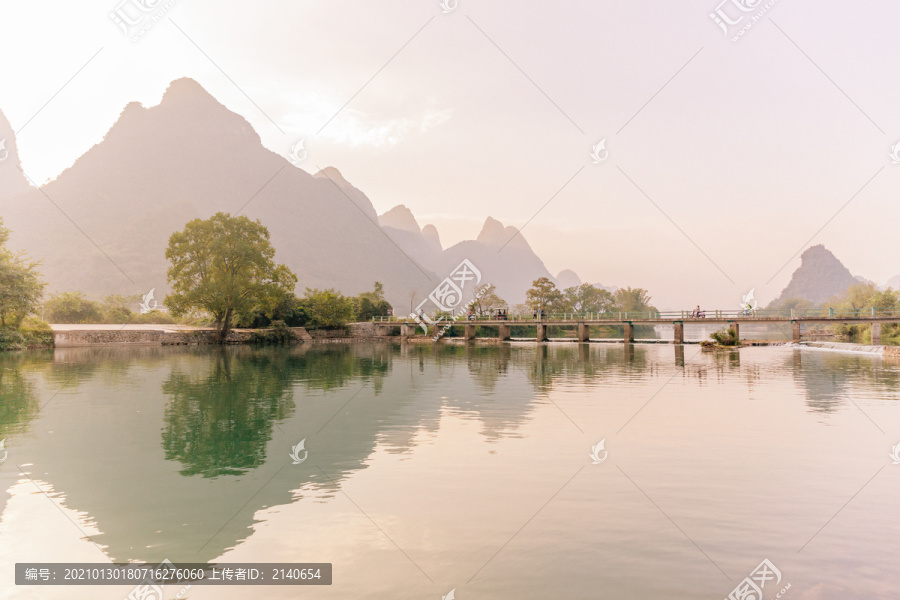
725, 158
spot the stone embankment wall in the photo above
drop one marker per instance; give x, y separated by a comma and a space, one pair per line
157, 337
362, 330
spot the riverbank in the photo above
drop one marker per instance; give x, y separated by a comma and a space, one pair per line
69, 336
73, 336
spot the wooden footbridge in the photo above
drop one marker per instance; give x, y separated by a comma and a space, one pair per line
582, 322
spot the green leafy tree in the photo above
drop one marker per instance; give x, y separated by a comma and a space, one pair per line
328, 309
486, 300
519, 309
633, 300
794, 303
586, 298
372, 304
888, 298
37, 333
72, 307
866, 295
21, 288
224, 265
861, 297
543, 295
117, 309
290, 311
856, 297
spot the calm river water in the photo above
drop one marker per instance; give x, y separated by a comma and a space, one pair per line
465, 468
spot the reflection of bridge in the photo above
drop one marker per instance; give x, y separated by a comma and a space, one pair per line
582, 322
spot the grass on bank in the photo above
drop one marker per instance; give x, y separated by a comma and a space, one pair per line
32, 333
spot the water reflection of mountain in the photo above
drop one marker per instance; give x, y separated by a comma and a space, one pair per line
829, 377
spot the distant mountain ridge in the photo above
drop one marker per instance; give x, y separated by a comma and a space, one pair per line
12, 181
821, 276
501, 253
103, 224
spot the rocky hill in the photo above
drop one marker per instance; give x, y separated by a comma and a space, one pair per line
820, 277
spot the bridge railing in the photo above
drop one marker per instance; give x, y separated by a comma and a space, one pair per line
686, 315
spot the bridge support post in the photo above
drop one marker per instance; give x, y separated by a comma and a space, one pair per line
407, 330
470, 332
876, 334
541, 332
629, 332
737, 332
503, 333
584, 332
679, 332
795, 330
382, 330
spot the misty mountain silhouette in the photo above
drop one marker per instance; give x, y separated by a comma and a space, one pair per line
12, 181
820, 277
102, 226
501, 254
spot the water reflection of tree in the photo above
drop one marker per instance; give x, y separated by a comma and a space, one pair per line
18, 401
219, 423
331, 366
545, 363
487, 364
829, 377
